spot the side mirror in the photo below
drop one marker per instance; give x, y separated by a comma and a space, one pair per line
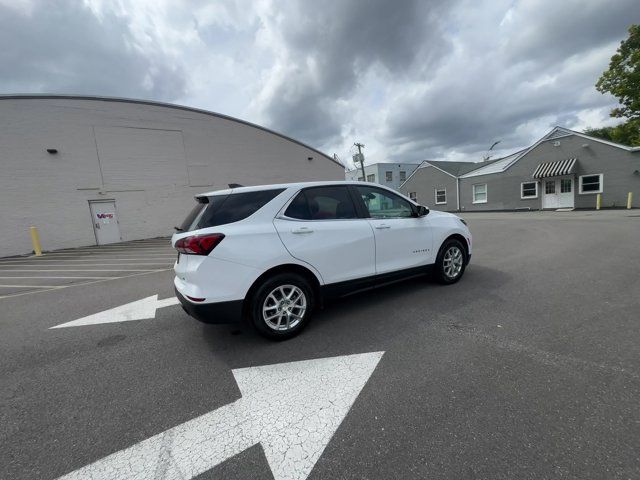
421, 210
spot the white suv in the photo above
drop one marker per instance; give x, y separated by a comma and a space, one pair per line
273, 253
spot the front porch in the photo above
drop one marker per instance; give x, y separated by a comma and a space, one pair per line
558, 184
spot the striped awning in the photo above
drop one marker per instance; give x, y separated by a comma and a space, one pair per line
555, 169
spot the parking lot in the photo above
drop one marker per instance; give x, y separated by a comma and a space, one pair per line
528, 368
72, 267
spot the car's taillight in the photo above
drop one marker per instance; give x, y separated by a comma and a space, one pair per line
199, 244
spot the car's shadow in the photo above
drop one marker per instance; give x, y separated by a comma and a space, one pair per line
359, 322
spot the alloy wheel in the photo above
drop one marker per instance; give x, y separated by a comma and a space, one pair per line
452, 262
284, 307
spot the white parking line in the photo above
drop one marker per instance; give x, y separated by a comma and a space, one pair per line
104, 249
106, 254
83, 270
88, 259
83, 265
29, 286
44, 256
10, 295
41, 277
99, 254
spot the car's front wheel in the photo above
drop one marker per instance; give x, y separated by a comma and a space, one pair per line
450, 262
282, 306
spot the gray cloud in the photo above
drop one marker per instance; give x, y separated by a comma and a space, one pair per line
411, 79
541, 70
62, 47
552, 32
329, 49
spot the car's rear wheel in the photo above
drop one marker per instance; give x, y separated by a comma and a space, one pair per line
450, 262
282, 306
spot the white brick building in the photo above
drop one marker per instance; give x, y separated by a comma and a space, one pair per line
65, 160
389, 174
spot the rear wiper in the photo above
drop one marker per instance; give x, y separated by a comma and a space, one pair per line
178, 229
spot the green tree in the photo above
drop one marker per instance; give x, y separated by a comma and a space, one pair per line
627, 133
622, 79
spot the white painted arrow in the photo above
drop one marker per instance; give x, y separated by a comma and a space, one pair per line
291, 409
138, 310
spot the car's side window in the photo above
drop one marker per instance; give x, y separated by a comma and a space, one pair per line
383, 204
322, 203
298, 208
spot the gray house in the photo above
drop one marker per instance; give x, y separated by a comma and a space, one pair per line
564, 169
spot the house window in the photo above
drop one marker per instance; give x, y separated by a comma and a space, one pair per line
550, 187
480, 193
403, 175
591, 183
441, 196
565, 185
371, 178
389, 176
413, 196
528, 190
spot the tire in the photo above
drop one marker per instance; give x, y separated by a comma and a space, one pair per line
282, 306
450, 262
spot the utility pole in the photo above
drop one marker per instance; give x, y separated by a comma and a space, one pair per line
361, 159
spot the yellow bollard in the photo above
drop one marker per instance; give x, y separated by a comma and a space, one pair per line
629, 200
35, 239
598, 201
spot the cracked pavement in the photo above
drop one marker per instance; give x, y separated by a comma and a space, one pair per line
528, 368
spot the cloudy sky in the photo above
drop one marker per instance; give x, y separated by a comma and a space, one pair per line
412, 80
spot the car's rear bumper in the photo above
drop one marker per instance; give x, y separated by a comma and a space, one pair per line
217, 312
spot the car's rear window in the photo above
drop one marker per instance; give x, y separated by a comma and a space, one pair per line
195, 212
223, 209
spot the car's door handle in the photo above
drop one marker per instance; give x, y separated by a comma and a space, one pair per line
383, 226
300, 231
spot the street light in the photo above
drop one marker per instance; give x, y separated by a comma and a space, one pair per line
487, 156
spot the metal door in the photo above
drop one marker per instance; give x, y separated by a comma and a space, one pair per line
105, 221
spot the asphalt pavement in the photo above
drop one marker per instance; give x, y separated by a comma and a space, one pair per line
528, 368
